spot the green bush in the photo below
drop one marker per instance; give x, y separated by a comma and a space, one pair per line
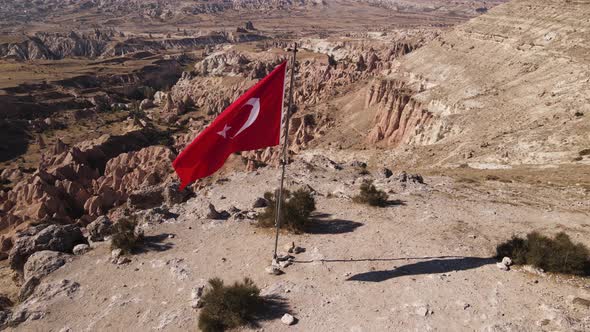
559, 254
125, 236
295, 212
229, 307
371, 195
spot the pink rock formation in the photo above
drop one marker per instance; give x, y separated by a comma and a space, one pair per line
127, 173
398, 115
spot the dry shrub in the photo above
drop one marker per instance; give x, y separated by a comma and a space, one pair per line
125, 235
371, 195
229, 307
559, 254
295, 212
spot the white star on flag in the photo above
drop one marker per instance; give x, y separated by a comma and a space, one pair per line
223, 133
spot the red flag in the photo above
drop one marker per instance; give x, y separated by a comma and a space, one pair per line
251, 122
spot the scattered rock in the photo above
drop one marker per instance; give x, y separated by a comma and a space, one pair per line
385, 173
154, 216
288, 319
99, 229
502, 266
116, 253
81, 249
215, 215
122, 260
581, 302
507, 261
234, 210
260, 202
423, 311
298, 250
289, 247
274, 270
356, 163
146, 198
172, 194
404, 177
196, 293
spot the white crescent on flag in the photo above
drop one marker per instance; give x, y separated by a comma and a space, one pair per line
255, 103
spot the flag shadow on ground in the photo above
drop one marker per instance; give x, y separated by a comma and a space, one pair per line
155, 243
433, 266
321, 223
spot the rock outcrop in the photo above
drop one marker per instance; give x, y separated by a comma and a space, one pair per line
43, 237
67, 179
127, 173
42, 263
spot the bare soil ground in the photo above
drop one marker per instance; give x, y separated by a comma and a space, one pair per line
422, 263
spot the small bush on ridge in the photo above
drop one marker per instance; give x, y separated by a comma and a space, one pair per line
295, 212
228, 307
371, 195
125, 236
559, 254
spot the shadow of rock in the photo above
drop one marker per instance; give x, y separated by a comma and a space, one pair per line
426, 267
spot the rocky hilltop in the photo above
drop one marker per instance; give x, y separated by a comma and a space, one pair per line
473, 131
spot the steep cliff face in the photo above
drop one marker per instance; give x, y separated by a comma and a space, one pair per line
508, 87
399, 118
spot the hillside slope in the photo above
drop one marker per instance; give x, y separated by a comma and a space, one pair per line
507, 88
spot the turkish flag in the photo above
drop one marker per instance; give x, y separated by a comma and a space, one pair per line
251, 122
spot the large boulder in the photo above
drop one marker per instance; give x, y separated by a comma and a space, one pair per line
100, 228
44, 262
60, 238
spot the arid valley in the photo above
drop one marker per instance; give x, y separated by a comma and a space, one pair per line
468, 119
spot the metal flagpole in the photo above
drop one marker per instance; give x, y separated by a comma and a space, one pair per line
284, 152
